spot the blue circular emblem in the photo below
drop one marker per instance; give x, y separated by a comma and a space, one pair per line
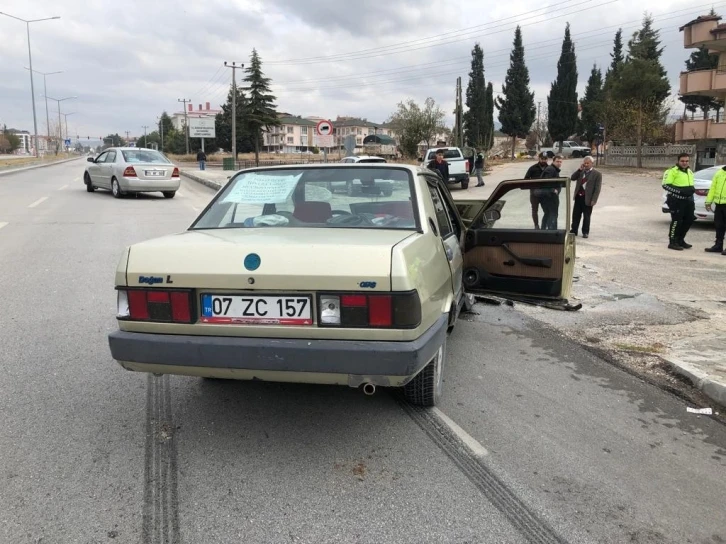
252, 261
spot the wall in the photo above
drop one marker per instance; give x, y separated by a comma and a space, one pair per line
653, 156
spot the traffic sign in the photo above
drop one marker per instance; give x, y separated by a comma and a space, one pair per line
324, 128
68, 142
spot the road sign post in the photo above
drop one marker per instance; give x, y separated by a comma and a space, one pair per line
324, 130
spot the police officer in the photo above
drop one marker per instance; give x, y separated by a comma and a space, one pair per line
716, 202
678, 183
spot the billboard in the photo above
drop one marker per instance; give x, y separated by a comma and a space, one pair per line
201, 127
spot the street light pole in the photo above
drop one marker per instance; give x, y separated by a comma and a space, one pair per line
60, 127
161, 129
145, 127
65, 116
45, 92
30, 61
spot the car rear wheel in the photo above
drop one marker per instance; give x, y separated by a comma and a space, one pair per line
169, 194
425, 389
87, 180
116, 189
465, 184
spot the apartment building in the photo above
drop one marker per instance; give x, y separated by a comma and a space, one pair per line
293, 135
177, 118
709, 135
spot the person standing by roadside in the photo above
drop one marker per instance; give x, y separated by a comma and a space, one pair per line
550, 198
440, 165
678, 183
587, 191
202, 158
479, 168
535, 172
716, 202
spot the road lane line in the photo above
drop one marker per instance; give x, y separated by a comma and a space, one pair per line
65, 186
3, 224
39, 201
469, 441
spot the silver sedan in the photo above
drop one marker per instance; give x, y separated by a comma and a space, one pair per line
124, 170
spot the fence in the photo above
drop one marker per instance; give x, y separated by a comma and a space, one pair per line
652, 156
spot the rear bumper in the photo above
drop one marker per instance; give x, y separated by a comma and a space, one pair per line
457, 178
322, 361
140, 185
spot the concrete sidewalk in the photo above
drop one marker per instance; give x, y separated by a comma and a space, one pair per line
624, 279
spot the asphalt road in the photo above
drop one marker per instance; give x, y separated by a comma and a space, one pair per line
562, 447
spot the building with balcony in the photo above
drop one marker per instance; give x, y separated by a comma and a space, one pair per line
709, 135
293, 135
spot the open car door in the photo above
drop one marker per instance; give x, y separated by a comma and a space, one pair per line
504, 251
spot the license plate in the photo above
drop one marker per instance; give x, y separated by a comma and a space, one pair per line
152, 173
257, 310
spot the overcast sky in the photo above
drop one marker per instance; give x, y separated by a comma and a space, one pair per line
129, 61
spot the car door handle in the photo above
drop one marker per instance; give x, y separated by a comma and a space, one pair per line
449, 254
541, 262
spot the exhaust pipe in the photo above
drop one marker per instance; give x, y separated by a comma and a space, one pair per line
369, 389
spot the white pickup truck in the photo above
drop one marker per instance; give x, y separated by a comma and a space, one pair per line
569, 149
458, 165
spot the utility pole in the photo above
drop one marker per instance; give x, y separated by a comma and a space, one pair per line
145, 142
161, 130
127, 137
459, 134
234, 67
539, 128
30, 62
186, 121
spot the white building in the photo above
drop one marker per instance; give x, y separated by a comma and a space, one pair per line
177, 118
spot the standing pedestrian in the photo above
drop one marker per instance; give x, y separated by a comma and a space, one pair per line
678, 183
535, 172
479, 168
716, 202
202, 158
440, 165
587, 191
550, 198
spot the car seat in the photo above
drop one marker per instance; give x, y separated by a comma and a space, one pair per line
313, 212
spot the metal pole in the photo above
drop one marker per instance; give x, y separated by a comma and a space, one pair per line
32, 92
146, 144
186, 121
539, 129
234, 109
47, 115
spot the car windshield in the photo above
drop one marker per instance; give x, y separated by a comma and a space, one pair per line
145, 156
448, 154
339, 197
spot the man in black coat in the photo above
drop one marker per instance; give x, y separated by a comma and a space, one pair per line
587, 191
439, 165
550, 198
535, 172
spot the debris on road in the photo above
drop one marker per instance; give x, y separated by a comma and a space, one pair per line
704, 411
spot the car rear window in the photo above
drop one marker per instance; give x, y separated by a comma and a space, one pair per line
145, 156
341, 197
448, 154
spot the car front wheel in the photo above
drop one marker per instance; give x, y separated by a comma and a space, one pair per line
87, 180
426, 388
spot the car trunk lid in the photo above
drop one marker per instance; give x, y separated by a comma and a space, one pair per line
290, 259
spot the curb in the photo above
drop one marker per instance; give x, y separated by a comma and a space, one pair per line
714, 390
209, 183
33, 167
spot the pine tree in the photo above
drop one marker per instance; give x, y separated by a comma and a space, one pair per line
474, 118
701, 60
223, 124
617, 61
592, 105
260, 109
562, 100
516, 109
489, 118
645, 45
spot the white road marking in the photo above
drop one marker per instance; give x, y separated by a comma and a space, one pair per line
475, 447
3, 224
65, 186
39, 201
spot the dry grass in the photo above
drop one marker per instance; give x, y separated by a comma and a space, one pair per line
652, 348
29, 161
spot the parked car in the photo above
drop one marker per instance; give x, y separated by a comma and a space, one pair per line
278, 279
458, 164
128, 170
569, 150
702, 183
353, 186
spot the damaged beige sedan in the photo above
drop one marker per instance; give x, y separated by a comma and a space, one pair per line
281, 279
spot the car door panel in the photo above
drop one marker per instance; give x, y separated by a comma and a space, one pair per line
94, 169
505, 254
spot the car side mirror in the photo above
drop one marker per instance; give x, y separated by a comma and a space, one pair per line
91, 159
492, 215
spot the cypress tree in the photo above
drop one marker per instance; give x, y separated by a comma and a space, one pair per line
562, 101
474, 118
260, 108
489, 118
617, 60
592, 105
516, 109
645, 45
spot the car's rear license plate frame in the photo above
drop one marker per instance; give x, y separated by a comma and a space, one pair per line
262, 309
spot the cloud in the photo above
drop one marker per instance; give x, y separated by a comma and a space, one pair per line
129, 61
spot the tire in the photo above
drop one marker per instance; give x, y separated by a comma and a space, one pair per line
169, 194
465, 184
116, 188
87, 180
426, 387
388, 192
575, 154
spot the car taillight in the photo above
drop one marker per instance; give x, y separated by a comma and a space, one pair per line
175, 173
466, 165
164, 306
355, 310
129, 172
702, 192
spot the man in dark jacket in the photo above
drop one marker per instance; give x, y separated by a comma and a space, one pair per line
535, 172
587, 191
440, 165
550, 198
479, 168
202, 158
678, 184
